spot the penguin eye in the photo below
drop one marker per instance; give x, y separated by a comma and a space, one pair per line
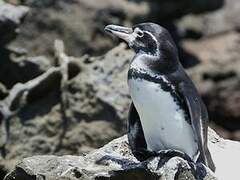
139, 33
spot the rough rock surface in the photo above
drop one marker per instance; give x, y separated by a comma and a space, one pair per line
98, 94
79, 23
167, 10
217, 77
115, 161
10, 18
99, 102
21, 68
212, 23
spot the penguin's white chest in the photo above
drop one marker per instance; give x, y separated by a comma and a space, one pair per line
163, 121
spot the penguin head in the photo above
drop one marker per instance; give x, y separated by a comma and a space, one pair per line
146, 39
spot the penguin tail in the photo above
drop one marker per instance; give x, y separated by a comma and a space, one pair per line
206, 159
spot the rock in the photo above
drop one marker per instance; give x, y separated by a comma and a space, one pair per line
115, 161
224, 152
98, 94
109, 74
217, 76
21, 68
98, 102
10, 18
3, 91
212, 23
165, 10
81, 30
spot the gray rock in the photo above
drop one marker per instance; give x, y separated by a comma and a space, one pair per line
109, 74
115, 161
217, 77
98, 102
10, 18
212, 23
167, 10
20, 68
3, 91
81, 30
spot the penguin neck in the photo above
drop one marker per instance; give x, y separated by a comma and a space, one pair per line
153, 65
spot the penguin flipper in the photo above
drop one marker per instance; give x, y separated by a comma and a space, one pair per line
199, 120
136, 137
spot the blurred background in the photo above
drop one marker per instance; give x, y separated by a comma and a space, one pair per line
47, 110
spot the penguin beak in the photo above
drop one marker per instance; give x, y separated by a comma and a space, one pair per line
121, 32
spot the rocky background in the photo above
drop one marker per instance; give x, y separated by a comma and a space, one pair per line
58, 104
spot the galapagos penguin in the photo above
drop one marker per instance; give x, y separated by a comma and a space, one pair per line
167, 113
